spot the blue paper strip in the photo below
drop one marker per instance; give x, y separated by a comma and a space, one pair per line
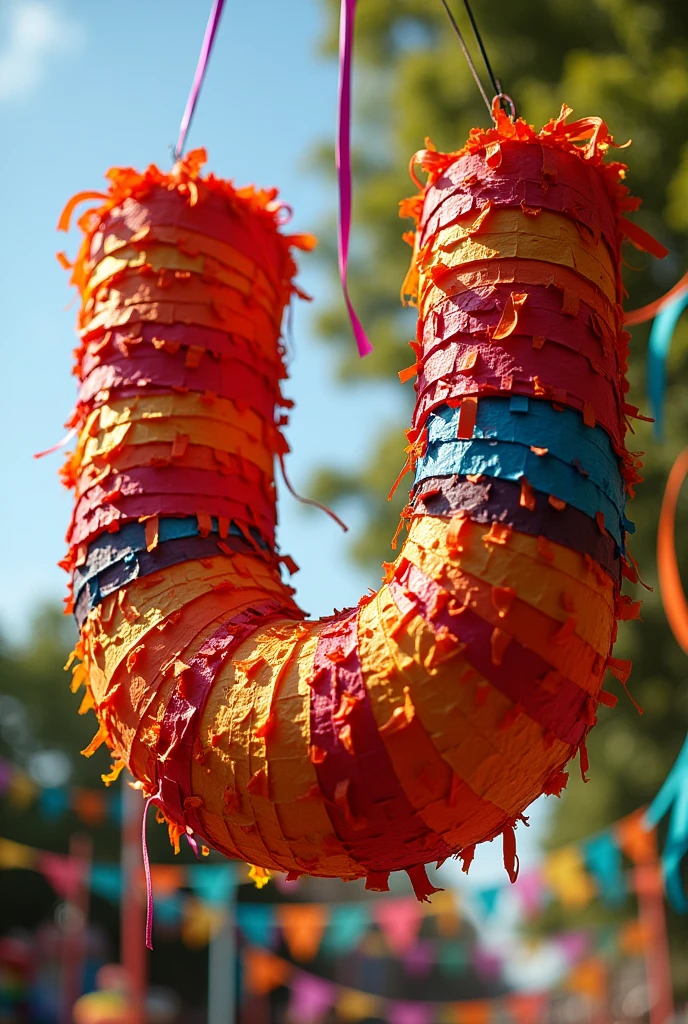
123, 545
561, 432
546, 473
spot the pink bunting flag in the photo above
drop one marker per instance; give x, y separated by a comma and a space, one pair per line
63, 873
573, 945
311, 998
410, 1013
530, 892
487, 963
399, 921
420, 958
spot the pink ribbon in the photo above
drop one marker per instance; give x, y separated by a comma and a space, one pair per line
343, 158
201, 68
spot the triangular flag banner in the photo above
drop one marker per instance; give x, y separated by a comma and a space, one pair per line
168, 879
347, 925
212, 883
263, 971
410, 1013
447, 913
106, 882
564, 872
589, 979
488, 899
635, 839
64, 873
452, 957
632, 938
90, 805
311, 998
420, 958
168, 910
530, 891
603, 860
6, 773
53, 803
572, 945
16, 855
257, 923
487, 963
477, 1012
527, 1008
302, 927
200, 922
399, 921
354, 1006
22, 790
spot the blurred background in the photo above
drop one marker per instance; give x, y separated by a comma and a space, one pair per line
84, 86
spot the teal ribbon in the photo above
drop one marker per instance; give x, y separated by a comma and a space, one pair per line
661, 334
672, 800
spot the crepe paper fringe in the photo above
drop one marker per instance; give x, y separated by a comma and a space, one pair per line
425, 720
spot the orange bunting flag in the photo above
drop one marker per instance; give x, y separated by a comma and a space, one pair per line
302, 927
263, 971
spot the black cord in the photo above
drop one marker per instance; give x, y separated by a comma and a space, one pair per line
505, 102
467, 55
495, 82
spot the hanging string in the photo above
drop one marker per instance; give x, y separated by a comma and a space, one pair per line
201, 68
343, 161
495, 82
469, 59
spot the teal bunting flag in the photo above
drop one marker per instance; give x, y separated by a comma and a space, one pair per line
106, 881
347, 926
257, 923
212, 883
604, 862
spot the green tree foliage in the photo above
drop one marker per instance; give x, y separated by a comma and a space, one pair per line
625, 60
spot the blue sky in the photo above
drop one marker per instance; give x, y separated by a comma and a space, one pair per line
87, 85
82, 89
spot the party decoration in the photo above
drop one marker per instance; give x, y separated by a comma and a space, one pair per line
425, 720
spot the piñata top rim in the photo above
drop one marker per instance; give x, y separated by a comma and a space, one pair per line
186, 180
588, 139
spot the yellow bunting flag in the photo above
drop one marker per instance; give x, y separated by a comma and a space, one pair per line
564, 871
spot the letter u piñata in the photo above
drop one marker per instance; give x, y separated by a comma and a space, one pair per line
425, 720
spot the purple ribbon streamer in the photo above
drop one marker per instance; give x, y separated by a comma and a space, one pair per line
201, 68
343, 159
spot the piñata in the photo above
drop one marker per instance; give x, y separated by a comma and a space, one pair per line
425, 720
